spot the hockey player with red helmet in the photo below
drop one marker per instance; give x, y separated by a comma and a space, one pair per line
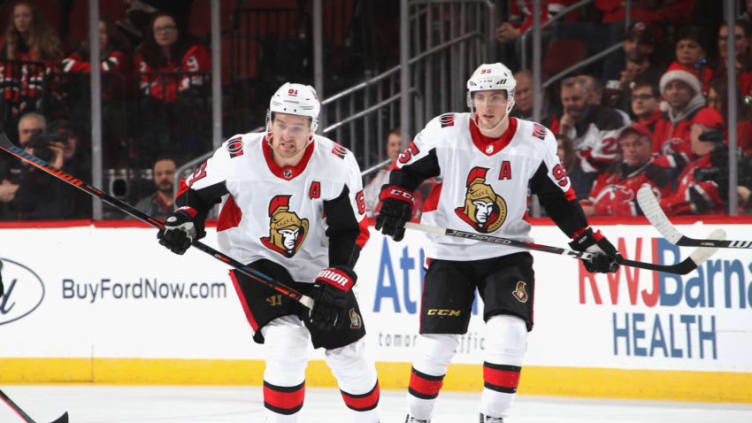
487, 161
294, 211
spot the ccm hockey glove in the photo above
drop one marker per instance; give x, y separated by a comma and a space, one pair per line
396, 210
330, 291
180, 230
606, 257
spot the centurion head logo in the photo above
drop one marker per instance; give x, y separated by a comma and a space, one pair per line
286, 230
484, 210
520, 292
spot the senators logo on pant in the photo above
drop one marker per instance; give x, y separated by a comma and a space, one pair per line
484, 210
287, 231
520, 292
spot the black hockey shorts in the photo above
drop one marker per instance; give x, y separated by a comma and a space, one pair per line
263, 304
506, 285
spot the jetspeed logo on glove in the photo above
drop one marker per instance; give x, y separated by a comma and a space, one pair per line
336, 278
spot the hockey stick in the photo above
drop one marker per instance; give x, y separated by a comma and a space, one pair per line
17, 409
652, 210
687, 265
285, 290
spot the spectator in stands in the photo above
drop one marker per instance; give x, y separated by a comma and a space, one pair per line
681, 89
698, 190
594, 89
115, 66
593, 129
640, 42
27, 38
743, 61
635, 61
520, 19
614, 192
30, 124
581, 181
76, 160
523, 95
38, 196
161, 203
718, 99
691, 54
114, 52
645, 100
747, 15
171, 110
373, 187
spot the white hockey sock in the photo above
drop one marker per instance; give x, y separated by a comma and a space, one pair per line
286, 351
506, 343
357, 379
435, 352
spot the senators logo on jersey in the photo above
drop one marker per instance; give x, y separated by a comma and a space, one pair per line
287, 231
484, 210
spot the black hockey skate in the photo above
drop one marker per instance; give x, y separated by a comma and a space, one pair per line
411, 419
488, 419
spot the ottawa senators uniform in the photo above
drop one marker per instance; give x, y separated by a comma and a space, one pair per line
313, 213
486, 183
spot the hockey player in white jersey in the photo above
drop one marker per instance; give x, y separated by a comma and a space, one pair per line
488, 162
295, 211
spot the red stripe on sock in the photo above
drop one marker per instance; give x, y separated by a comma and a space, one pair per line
286, 398
420, 383
503, 378
365, 401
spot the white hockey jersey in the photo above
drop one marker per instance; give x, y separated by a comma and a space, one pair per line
485, 183
304, 218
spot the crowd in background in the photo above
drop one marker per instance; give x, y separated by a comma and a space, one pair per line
652, 112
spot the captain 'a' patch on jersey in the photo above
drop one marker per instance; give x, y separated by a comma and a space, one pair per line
287, 230
484, 210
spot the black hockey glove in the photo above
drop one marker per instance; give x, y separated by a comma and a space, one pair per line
605, 260
396, 210
329, 292
180, 230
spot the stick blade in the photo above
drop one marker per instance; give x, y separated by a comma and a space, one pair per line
62, 419
652, 210
703, 253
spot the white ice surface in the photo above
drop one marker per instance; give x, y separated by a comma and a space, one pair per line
224, 404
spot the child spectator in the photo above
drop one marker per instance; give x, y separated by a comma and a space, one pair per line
691, 54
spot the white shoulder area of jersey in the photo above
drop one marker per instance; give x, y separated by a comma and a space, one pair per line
237, 144
536, 134
445, 125
336, 156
